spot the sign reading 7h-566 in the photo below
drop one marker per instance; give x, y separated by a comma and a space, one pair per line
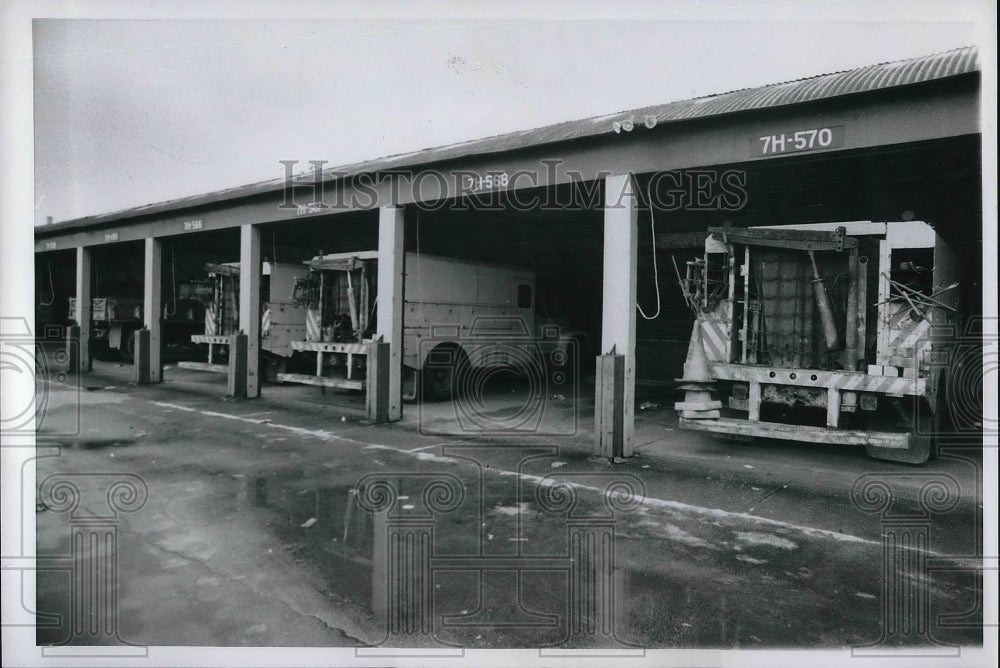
797, 141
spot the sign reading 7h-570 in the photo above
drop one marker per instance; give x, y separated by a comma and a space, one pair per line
796, 141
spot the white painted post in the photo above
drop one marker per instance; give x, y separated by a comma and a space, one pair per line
250, 275
390, 300
83, 314
618, 312
152, 301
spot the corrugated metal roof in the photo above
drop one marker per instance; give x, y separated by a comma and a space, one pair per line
865, 79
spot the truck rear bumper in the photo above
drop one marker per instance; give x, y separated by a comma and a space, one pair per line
794, 432
840, 380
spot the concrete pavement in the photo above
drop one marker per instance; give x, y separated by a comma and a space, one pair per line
251, 535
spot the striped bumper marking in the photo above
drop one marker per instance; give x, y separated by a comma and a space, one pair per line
313, 332
840, 380
714, 337
265, 322
210, 319
904, 333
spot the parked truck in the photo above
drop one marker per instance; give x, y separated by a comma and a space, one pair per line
282, 320
458, 317
828, 333
113, 323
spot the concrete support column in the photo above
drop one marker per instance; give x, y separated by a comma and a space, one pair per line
250, 270
390, 301
83, 314
618, 312
152, 306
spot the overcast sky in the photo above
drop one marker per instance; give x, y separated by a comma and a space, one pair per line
132, 112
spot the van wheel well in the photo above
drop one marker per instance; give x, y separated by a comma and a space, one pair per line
442, 368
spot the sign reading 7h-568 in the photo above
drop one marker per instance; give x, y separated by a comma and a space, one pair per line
796, 141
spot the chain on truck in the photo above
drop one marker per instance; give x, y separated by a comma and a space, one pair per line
827, 333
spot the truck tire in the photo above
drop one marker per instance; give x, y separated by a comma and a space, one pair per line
441, 372
918, 452
127, 351
99, 350
924, 437
410, 384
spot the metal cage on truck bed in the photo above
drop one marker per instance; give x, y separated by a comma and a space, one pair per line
831, 333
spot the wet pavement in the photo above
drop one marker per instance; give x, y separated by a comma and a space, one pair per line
288, 520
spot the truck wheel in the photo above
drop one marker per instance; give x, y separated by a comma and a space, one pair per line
918, 452
127, 351
443, 368
299, 362
410, 383
923, 438
99, 350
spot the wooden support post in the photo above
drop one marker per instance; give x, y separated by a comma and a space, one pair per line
389, 322
250, 271
862, 313
618, 314
377, 385
152, 302
238, 363
73, 350
83, 307
143, 353
609, 406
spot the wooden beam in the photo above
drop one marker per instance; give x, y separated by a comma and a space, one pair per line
152, 301
608, 406
237, 380
250, 271
83, 306
618, 313
390, 300
914, 115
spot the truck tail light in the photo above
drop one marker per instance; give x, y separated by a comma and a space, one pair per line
869, 402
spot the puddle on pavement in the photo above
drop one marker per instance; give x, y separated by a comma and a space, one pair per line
499, 571
322, 526
99, 444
